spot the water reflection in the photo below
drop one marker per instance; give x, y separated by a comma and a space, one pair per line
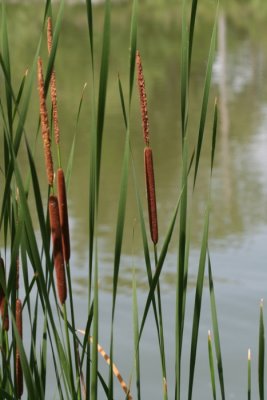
239, 183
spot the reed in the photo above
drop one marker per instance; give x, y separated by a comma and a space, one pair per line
19, 375
151, 195
45, 125
3, 304
143, 98
57, 248
63, 213
53, 89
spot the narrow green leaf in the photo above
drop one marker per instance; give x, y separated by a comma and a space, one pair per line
205, 99
102, 93
133, 40
136, 342
216, 331
214, 134
261, 353
197, 305
211, 365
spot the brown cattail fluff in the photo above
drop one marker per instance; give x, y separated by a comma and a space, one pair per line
151, 195
57, 248
3, 305
143, 99
45, 125
19, 376
63, 213
53, 90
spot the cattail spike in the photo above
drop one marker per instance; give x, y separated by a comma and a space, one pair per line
19, 375
143, 98
3, 305
63, 213
53, 90
57, 248
45, 125
151, 195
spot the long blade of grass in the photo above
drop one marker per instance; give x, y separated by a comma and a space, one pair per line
216, 330
214, 134
261, 354
197, 305
102, 89
211, 365
133, 40
136, 343
181, 267
205, 99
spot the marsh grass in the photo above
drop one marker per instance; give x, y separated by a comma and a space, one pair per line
47, 299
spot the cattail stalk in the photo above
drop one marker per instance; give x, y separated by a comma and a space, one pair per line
143, 98
19, 375
63, 214
45, 125
57, 248
3, 305
151, 194
53, 90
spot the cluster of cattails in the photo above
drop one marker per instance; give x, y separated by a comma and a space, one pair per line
58, 210
148, 158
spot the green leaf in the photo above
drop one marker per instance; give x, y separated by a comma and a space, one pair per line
197, 306
216, 331
261, 354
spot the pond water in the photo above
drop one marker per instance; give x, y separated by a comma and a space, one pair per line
238, 230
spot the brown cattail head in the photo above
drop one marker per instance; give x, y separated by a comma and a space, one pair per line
57, 248
53, 90
19, 375
151, 195
63, 213
143, 99
3, 305
45, 125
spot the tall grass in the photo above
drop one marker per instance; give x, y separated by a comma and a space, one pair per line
29, 289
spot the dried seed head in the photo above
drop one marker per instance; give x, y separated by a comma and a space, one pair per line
45, 125
3, 305
53, 90
19, 375
143, 98
57, 248
63, 213
151, 194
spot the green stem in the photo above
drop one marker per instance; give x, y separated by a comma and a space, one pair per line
75, 342
69, 351
161, 332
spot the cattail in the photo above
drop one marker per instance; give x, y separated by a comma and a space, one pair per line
53, 90
143, 99
45, 125
57, 248
63, 213
19, 376
3, 305
151, 195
